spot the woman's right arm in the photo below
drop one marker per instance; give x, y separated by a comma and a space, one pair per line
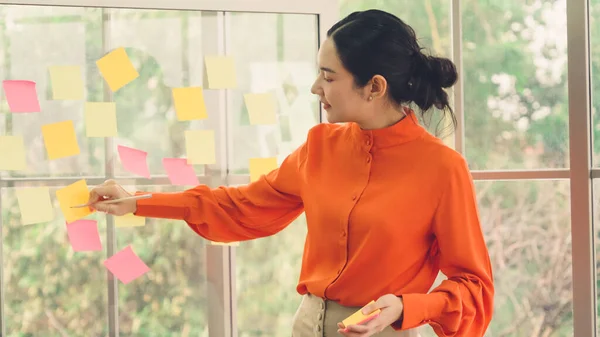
222, 214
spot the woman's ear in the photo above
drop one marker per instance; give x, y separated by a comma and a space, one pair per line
378, 86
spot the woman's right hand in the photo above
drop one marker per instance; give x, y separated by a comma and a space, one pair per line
111, 190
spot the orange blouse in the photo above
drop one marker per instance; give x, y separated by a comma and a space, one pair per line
386, 210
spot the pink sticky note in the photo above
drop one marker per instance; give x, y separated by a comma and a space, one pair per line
84, 236
134, 160
21, 96
126, 266
180, 172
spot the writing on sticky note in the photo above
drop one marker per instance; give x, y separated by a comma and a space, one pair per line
75, 194
134, 160
100, 119
83, 236
21, 96
189, 103
220, 72
180, 172
60, 140
67, 82
35, 205
117, 69
261, 166
12, 153
126, 265
261, 108
129, 220
200, 147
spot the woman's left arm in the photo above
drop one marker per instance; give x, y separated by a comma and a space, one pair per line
462, 305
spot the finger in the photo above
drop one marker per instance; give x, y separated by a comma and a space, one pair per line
357, 329
99, 192
369, 308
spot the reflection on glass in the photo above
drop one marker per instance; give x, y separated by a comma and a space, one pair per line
594, 12
170, 300
50, 290
527, 229
515, 76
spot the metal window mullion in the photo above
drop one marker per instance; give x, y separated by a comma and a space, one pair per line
584, 297
109, 168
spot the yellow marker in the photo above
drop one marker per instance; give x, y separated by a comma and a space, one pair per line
359, 318
100, 119
67, 82
260, 166
261, 108
200, 147
129, 220
35, 205
220, 72
116, 68
60, 140
189, 103
74, 194
12, 149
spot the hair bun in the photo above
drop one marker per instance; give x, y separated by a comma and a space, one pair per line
440, 72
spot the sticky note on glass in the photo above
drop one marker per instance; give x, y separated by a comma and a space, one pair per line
21, 96
134, 160
35, 205
83, 236
117, 69
73, 195
60, 140
189, 103
100, 119
67, 82
126, 266
220, 72
180, 172
12, 153
261, 108
129, 220
200, 147
260, 166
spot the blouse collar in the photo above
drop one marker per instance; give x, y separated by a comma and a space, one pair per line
406, 130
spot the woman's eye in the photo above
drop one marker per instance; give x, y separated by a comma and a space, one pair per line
328, 80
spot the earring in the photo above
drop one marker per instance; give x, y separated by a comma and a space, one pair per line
370, 98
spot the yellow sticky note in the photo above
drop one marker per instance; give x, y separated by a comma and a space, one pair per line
100, 119
200, 147
261, 108
75, 194
35, 205
12, 153
220, 72
260, 166
129, 220
224, 243
60, 140
189, 103
359, 318
67, 82
117, 69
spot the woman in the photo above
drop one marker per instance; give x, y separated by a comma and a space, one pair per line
387, 204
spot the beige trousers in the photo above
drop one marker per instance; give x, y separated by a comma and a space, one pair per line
318, 318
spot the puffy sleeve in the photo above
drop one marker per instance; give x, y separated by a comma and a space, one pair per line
227, 214
462, 305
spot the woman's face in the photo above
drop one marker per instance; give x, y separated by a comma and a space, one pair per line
335, 87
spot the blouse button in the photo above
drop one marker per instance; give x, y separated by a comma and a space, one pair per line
368, 142
368, 159
353, 197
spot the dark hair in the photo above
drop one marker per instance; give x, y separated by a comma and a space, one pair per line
375, 42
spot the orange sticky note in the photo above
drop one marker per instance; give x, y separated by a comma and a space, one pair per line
100, 119
260, 166
117, 69
12, 153
129, 220
359, 318
60, 140
220, 72
35, 205
73, 195
189, 103
200, 147
261, 108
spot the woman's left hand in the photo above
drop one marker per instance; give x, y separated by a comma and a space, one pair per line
391, 307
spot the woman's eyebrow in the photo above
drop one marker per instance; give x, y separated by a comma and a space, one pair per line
329, 70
